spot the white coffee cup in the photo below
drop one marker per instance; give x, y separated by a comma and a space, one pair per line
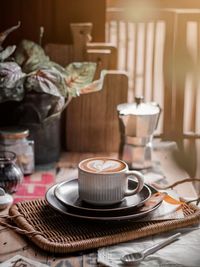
104, 181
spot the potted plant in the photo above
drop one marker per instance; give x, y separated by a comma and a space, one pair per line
42, 89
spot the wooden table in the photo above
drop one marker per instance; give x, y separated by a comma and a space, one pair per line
12, 243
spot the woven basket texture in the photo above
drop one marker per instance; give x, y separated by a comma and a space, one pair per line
58, 233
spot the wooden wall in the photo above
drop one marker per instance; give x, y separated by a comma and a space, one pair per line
54, 15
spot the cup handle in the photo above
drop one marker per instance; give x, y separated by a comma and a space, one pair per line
140, 185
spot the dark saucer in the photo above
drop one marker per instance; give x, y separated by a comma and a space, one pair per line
67, 193
93, 215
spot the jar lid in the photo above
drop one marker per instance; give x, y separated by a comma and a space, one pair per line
138, 108
13, 133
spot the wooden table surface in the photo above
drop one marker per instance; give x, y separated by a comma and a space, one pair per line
12, 244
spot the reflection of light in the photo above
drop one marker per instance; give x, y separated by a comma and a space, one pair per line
140, 10
138, 13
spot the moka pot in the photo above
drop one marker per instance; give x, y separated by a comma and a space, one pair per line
138, 122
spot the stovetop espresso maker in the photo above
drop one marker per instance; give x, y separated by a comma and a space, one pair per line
138, 122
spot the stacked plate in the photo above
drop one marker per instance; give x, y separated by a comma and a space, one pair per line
64, 198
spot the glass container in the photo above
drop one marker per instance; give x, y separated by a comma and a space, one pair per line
10, 173
15, 140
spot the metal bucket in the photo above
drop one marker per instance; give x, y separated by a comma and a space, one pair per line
44, 129
46, 138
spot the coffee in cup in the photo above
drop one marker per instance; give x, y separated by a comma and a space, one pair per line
102, 165
104, 181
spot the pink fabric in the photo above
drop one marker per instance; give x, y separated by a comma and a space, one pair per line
34, 186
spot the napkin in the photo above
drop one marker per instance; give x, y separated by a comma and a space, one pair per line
170, 208
182, 253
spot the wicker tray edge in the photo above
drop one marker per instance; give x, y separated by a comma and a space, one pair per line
45, 244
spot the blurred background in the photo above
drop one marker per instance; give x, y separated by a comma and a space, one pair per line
156, 42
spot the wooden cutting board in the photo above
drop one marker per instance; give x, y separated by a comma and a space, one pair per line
92, 120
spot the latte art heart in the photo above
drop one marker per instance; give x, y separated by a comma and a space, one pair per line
102, 166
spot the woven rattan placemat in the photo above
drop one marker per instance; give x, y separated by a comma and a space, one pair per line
58, 233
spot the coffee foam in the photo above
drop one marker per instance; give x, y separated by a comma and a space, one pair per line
102, 165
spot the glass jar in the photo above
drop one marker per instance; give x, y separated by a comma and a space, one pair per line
10, 173
15, 140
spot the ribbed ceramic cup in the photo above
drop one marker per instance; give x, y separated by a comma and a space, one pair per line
106, 187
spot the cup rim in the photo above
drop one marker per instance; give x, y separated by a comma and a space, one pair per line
104, 173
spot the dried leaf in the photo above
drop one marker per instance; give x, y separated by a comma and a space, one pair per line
172, 200
153, 201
